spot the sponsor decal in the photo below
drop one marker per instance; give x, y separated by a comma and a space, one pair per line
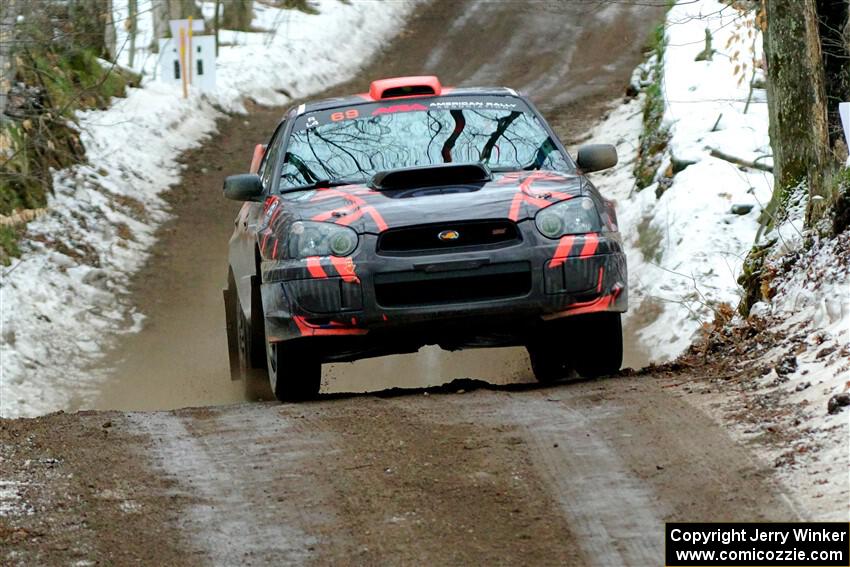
472, 104
398, 108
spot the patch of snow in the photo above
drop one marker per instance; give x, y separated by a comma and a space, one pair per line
812, 308
65, 299
11, 503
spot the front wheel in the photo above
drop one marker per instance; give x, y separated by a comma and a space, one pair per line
598, 344
549, 362
591, 345
294, 374
551, 359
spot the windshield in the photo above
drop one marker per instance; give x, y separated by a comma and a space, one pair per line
352, 144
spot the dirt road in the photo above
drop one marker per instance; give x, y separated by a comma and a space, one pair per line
580, 474
583, 473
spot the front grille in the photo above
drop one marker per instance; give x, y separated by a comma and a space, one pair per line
426, 238
410, 289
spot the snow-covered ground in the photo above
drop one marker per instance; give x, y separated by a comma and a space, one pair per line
65, 297
686, 249
811, 310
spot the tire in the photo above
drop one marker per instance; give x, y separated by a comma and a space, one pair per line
550, 360
598, 344
231, 309
549, 363
241, 330
295, 374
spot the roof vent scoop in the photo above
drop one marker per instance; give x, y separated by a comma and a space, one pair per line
430, 176
400, 87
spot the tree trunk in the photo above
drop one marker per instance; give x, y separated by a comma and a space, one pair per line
109, 33
8, 17
159, 11
182, 9
238, 15
834, 18
132, 29
797, 108
216, 23
820, 196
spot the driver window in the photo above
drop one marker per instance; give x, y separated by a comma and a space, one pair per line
267, 166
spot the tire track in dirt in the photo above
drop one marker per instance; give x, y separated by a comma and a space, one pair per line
581, 473
329, 483
617, 525
236, 515
623, 456
433, 491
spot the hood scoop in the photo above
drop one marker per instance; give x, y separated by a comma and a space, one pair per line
430, 176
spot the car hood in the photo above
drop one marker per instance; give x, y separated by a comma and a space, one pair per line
514, 195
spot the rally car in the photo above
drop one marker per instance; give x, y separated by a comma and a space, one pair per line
418, 214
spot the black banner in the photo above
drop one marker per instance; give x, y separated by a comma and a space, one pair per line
811, 544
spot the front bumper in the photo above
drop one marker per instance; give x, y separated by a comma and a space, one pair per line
381, 295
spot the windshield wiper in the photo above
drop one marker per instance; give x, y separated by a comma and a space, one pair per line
508, 168
320, 183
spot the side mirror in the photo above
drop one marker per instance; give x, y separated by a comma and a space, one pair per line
595, 157
243, 187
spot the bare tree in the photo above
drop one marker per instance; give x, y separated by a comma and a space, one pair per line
799, 119
132, 29
217, 23
182, 9
238, 14
159, 11
8, 17
109, 32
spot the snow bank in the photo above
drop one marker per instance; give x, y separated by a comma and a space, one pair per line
811, 307
685, 246
685, 250
64, 300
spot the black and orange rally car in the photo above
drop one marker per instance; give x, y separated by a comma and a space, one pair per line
418, 214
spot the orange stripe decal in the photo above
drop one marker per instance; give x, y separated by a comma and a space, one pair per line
314, 266
591, 242
308, 330
593, 306
563, 251
345, 268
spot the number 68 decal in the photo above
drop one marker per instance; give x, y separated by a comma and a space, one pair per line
347, 115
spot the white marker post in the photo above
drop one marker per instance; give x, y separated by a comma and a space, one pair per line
188, 60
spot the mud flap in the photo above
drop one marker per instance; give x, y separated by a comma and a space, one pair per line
232, 335
258, 327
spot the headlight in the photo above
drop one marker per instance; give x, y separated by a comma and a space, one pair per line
320, 239
575, 216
